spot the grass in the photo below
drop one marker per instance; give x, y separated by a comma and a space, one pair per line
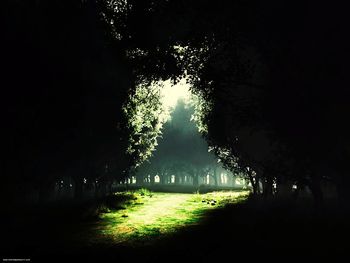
149, 216
156, 227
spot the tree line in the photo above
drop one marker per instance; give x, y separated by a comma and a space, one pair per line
272, 77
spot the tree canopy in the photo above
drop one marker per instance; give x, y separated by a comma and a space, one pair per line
271, 77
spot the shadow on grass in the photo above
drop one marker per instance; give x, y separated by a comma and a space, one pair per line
254, 229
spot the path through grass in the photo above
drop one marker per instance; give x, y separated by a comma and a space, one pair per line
153, 216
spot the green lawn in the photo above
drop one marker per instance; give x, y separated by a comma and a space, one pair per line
155, 215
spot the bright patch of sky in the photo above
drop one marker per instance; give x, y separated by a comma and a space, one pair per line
172, 93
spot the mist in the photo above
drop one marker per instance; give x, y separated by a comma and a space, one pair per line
182, 161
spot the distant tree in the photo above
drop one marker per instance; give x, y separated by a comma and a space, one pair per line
181, 148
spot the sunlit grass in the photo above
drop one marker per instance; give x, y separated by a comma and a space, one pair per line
151, 216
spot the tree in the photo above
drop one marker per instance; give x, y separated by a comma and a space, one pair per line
257, 76
65, 83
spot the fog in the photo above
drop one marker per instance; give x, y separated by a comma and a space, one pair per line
182, 157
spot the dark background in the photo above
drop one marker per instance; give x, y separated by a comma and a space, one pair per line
276, 68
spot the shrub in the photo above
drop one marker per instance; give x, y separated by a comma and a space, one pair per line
144, 192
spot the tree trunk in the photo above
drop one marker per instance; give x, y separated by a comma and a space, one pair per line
343, 196
151, 179
284, 188
267, 187
110, 190
315, 187
78, 188
161, 178
103, 189
139, 179
233, 181
177, 178
96, 190
254, 183
342, 186
215, 178
45, 191
195, 180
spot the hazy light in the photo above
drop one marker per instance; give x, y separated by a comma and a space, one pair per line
223, 178
157, 179
172, 93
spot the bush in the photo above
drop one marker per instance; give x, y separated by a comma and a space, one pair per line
144, 192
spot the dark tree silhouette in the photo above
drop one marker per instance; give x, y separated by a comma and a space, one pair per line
273, 73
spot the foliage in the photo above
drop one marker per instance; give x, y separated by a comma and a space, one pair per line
281, 85
146, 116
263, 82
201, 109
144, 192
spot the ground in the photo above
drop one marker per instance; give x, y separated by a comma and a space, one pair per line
156, 227
154, 215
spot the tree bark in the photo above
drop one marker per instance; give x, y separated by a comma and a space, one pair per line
254, 183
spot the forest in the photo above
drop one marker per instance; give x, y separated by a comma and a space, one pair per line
141, 129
